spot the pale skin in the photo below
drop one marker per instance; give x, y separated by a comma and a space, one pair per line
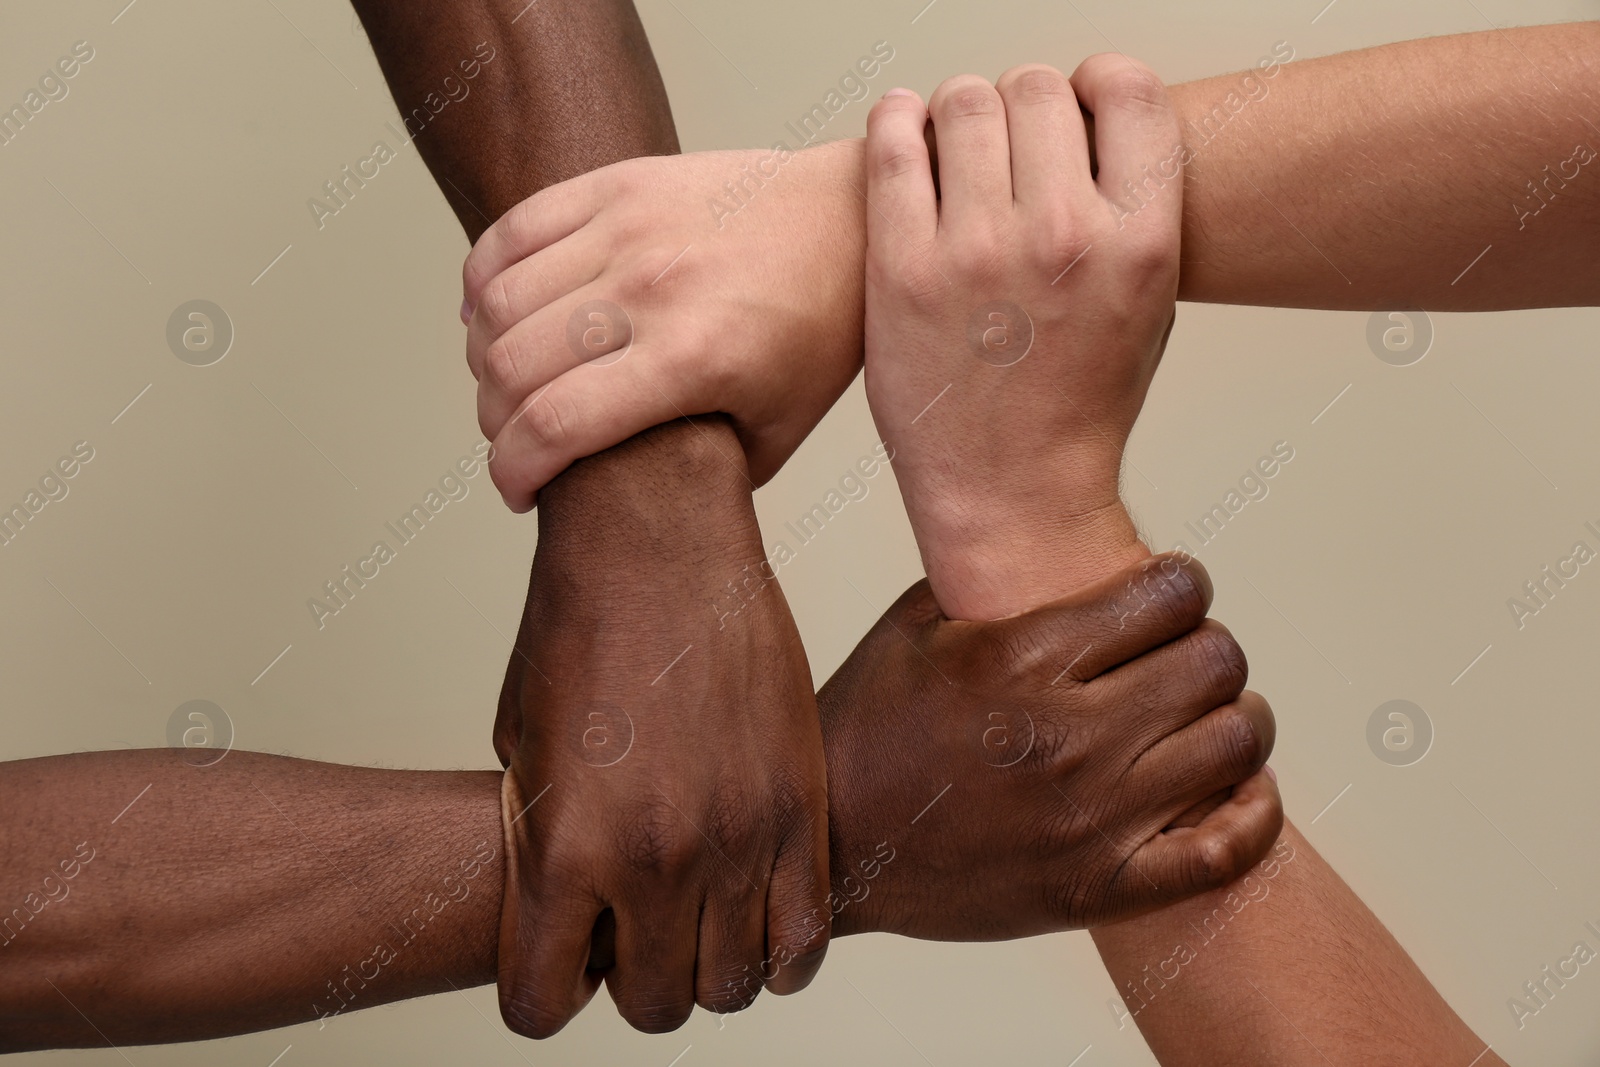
176, 895
1367, 180
1219, 979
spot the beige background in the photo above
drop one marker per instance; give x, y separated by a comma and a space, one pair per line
179, 166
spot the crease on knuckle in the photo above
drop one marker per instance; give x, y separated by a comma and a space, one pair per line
548, 423
1037, 85
502, 364
1135, 87
495, 305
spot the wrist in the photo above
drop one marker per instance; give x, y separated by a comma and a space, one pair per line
995, 562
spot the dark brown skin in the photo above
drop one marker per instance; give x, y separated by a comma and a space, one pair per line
232, 898
713, 853
1066, 769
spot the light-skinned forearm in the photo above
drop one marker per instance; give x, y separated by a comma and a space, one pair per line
573, 87
1375, 178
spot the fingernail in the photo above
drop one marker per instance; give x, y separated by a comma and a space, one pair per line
1270, 772
466, 312
898, 92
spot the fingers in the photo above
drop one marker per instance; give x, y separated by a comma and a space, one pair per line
969, 120
900, 191
1169, 688
1136, 134
539, 349
798, 916
1049, 148
528, 287
729, 975
1222, 749
653, 981
544, 938
578, 415
1182, 862
1111, 621
534, 224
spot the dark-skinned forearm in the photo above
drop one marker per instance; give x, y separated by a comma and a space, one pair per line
150, 900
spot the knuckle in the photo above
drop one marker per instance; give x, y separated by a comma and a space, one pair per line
533, 1017
656, 1014
502, 364
496, 305
1150, 259
895, 157
1035, 83
549, 423
966, 96
1217, 860
1217, 661
1133, 85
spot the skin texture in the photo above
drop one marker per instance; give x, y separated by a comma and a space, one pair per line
651, 533
1202, 991
1015, 300
1368, 180
233, 896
